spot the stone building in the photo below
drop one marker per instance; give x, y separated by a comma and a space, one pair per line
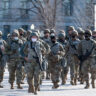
15, 14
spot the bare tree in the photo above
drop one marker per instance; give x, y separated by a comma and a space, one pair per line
85, 18
46, 10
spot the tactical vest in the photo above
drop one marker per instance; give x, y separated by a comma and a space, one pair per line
1, 44
73, 46
55, 48
34, 50
87, 46
15, 50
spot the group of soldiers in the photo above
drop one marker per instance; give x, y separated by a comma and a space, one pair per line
29, 55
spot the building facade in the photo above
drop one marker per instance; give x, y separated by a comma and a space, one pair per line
17, 13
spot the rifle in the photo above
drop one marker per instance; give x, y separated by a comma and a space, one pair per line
38, 60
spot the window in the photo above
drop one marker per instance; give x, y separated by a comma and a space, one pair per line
6, 6
66, 29
67, 7
25, 27
6, 29
24, 11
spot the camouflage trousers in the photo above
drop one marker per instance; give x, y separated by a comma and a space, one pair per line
2, 68
1, 73
48, 72
33, 74
89, 66
15, 69
55, 71
64, 73
73, 64
23, 73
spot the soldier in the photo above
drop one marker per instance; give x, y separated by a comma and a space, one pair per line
72, 60
46, 39
22, 37
28, 35
55, 57
86, 53
70, 30
34, 51
52, 31
80, 33
3, 46
61, 40
81, 37
94, 35
14, 63
21, 34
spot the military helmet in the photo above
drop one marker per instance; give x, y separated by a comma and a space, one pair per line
34, 34
80, 30
8, 35
21, 29
62, 31
88, 31
36, 31
52, 31
71, 28
0, 33
46, 31
94, 32
61, 35
75, 33
29, 31
15, 32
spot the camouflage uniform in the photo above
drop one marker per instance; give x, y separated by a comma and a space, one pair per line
32, 49
14, 63
22, 34
72, 59
80, 33
55, 57
94, 35
45, 64
47, 40
89, 64
3, 46
61, 40
80, 37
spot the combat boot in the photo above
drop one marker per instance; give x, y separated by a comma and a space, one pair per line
72, 81
81, 81
12, 87
75, 81
47, 76
39, 88
93, 84
87, 85
22, 82
31, 89
1, 86
55, 86
63, 82
36, 89
19, 86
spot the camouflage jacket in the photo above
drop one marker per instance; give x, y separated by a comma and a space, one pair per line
13, 49
86, 46
57, 52
31, 50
